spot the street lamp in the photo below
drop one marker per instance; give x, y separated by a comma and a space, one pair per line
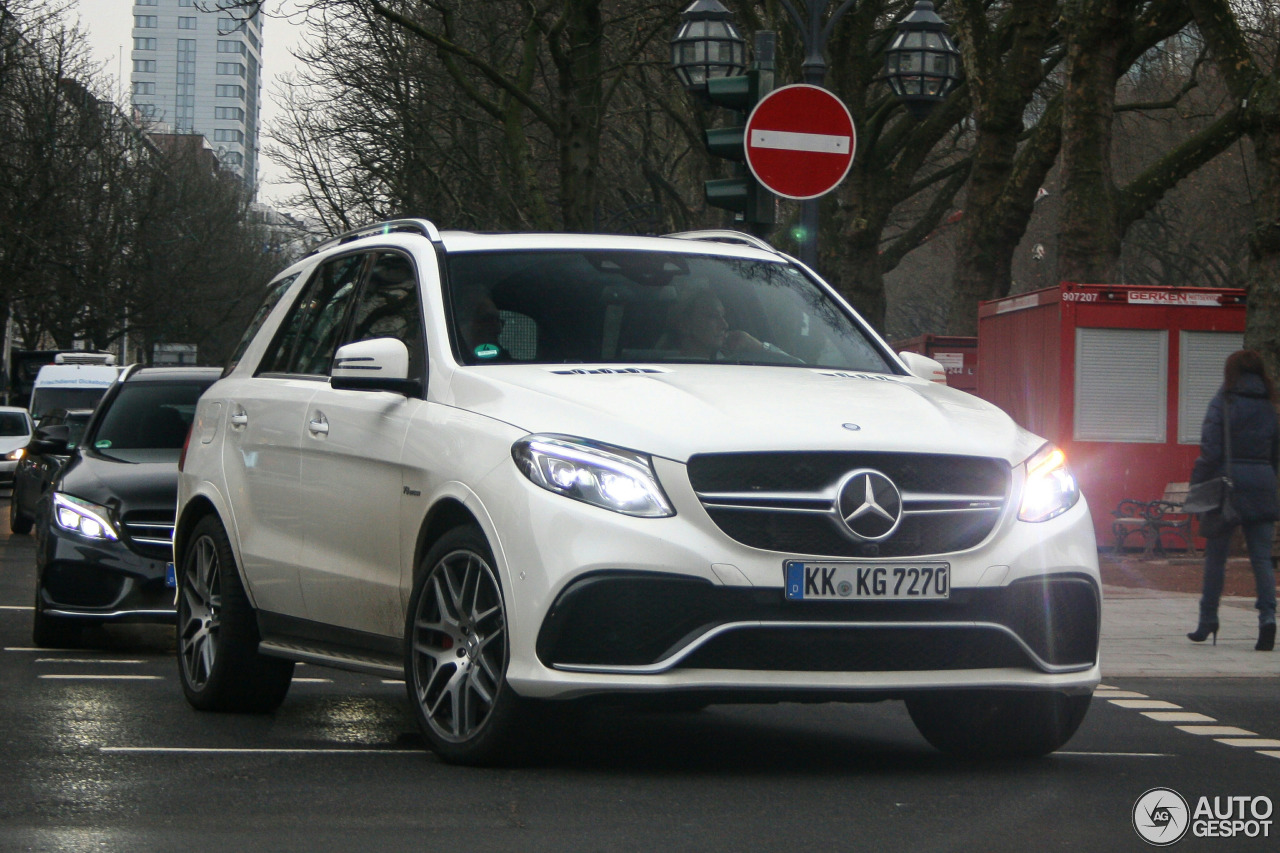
707, 46
922, 66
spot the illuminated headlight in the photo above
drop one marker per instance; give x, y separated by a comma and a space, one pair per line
15, 455
88, 519
598, 474
1050, 489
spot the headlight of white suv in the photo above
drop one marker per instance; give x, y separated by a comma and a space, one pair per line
598, 474
79, 516
1050, 489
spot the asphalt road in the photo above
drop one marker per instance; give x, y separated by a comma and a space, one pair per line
101, 752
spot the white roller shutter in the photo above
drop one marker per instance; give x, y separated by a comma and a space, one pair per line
1201, 358
1121, 385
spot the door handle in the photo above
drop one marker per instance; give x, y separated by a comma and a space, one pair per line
239, 418
319, 424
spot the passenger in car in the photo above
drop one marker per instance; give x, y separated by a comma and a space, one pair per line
483, 330
701, 332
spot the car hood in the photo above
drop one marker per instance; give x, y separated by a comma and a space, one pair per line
677, 411
10, 443
123, 486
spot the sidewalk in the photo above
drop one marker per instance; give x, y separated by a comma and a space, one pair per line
1148, 607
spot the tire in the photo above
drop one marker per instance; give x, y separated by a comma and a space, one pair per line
18, 523
218, 659
54, 632
998, 724
457, 651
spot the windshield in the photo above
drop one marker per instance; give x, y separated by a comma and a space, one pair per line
14, 424
628, 307
44, 400
147, 416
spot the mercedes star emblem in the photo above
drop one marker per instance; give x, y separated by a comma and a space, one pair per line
870, 505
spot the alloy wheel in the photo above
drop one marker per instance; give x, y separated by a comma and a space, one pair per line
459, 652
199, 617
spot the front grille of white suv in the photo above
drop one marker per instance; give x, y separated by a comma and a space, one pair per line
787, 502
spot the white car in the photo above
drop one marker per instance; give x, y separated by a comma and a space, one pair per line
15, 435
517, 469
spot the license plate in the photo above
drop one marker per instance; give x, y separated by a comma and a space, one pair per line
837, 581
170, 576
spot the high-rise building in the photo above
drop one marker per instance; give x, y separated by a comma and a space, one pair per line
197, 69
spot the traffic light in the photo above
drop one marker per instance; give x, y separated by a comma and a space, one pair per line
742, 193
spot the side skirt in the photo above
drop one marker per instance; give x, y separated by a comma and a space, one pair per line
324, 645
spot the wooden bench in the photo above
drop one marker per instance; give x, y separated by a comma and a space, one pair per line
1154, 520
1167, 517
1131, 518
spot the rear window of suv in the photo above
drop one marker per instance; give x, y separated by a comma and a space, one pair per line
628, 307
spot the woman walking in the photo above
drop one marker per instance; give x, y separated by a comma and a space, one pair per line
1245, 402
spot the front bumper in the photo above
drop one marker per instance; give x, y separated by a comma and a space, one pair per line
603, 604
100, 581
651, 623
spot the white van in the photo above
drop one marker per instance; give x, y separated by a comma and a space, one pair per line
76, 380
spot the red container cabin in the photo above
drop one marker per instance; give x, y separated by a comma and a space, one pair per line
1119, 376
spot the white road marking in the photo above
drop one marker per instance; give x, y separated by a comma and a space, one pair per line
1228, 735
1251, 742
16, 607
194, 750
1217, 731
1118, 754
823, 143
87, 660
313, 681
103, 677
1178, 717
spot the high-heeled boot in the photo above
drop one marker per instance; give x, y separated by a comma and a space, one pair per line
1202, 632
1266, 637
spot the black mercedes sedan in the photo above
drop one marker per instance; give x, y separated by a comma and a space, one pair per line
104, 529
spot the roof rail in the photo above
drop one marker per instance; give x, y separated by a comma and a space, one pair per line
724, 235
425, 227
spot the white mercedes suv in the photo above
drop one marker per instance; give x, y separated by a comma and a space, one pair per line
519, 469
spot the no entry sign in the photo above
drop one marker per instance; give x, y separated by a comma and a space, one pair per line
800, 141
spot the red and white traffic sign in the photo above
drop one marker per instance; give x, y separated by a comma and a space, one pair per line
800, 141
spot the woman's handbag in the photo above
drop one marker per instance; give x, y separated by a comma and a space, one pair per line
1207, 496
1211, 499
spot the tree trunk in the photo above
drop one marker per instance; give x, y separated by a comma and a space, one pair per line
582, 105
1262, 322
1089, 241
1258, 93
996, 209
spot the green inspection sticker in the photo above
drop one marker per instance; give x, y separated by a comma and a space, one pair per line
102, 445
487, 351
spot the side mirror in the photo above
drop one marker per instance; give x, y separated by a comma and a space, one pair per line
381, 364
50, 441
924, 367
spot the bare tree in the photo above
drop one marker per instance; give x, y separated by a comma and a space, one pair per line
1251, 68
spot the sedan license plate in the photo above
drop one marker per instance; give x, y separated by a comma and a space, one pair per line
170, 576
837, 581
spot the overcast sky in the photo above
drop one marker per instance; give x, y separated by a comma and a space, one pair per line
109, 24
